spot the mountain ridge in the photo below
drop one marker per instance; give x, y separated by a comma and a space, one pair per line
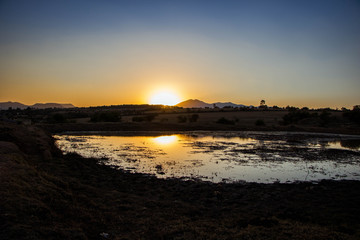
196, 103
15, 105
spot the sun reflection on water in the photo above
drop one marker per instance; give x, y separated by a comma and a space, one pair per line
165, 140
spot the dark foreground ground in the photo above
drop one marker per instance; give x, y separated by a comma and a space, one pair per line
45, 195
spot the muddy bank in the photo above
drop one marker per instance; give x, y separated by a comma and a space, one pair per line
45, 195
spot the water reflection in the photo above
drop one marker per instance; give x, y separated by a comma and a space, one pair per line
165, 140
225, 156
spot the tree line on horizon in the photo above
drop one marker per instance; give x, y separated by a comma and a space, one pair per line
147, 113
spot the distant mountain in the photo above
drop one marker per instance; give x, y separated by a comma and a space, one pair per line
67, 105
228, 104
52, 105
15, 105
195, 103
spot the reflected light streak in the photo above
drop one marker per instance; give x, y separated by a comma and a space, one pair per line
165, 140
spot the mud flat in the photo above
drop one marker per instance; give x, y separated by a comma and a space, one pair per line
48, 195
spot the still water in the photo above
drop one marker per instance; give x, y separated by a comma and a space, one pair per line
263, 157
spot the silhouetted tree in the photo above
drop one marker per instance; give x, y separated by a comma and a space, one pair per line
262, 104
275, 107
291, 108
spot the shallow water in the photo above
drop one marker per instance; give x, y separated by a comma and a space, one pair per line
223, 156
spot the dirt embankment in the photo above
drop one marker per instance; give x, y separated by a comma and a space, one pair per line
45, 195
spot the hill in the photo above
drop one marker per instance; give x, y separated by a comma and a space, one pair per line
228, 104
15, 105
195, 103
52, 105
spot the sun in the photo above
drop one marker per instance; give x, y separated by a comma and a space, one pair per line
164, 97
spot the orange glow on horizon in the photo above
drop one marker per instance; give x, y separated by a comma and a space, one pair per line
164, 97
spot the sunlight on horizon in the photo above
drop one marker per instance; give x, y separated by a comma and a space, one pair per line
164, 97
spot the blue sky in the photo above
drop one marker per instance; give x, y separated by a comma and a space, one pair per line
303, 53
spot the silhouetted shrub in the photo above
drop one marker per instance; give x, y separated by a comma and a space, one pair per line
57, 118
148, 117
324, 117
77, 114
260, 122
291, 108
194, 118
182, 119
303, 116
353, 115
225, 121
296, 115
106, 117
151, 117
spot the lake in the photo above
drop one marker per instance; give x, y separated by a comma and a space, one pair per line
263, 157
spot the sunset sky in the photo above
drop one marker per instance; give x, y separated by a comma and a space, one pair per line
300, 53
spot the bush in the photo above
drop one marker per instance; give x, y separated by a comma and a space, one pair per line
106, 117
150, 117
324, 117
353, 115
295, 116
225, 121
194, 118
182, 119
57, 118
